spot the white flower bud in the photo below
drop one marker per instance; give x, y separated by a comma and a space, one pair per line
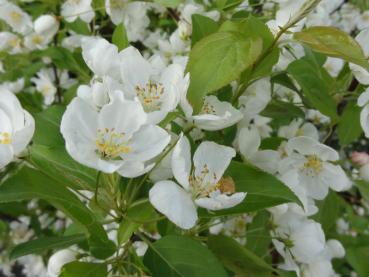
46, 25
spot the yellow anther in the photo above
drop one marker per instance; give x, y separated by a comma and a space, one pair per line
313, 165
5, 138
16, 16
150, 95
111, 144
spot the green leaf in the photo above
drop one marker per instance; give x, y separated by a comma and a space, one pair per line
333, 42
258, 236
216, 60
328, 212
237, 258
39, 245
358, 258
120, 38
253, 27
263, 190
29, 184
82, 269
137, 214
78, 26
202, 26
169, 3
181, 256
281, 109
349, 128
363, 188
314, 88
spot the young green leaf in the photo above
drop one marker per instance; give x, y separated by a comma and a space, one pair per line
181, 256
333, 42
218, 59
120, 38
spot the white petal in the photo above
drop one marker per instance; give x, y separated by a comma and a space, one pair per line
213, 156
23, 136
267, 160
6, 154
218, 201
147, 143
335, 177
309, 146
133, 169
181, 161
175, 203
363, 98
224, 115
248, 141
364, 120
123, 116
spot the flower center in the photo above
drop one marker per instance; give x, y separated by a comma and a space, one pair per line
110, 144
37, 39
150, 95
16, 17
313, 166
208, 109
5, 138
202, 188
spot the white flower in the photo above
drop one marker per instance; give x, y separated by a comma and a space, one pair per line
363, 101
20, 21
298, 128
297, 239
215, 115
201, 186
35, 41
158, 89
10, 42
255, 98
45, 85
46, 25
113, 139
72, 9
101, 57
116, 10
15, 87
364, 172
360, 73
16, 127
58, 259
363, 22
312, 162
317, 117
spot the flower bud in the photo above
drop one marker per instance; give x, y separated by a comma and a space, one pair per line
359, 158
46, 25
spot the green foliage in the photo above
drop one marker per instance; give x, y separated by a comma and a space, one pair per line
202, 26
28, 184
82, 269
314, 87
37, 246
349, 128
120, 38
237, 258
182, 256
218, 59
333, 42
